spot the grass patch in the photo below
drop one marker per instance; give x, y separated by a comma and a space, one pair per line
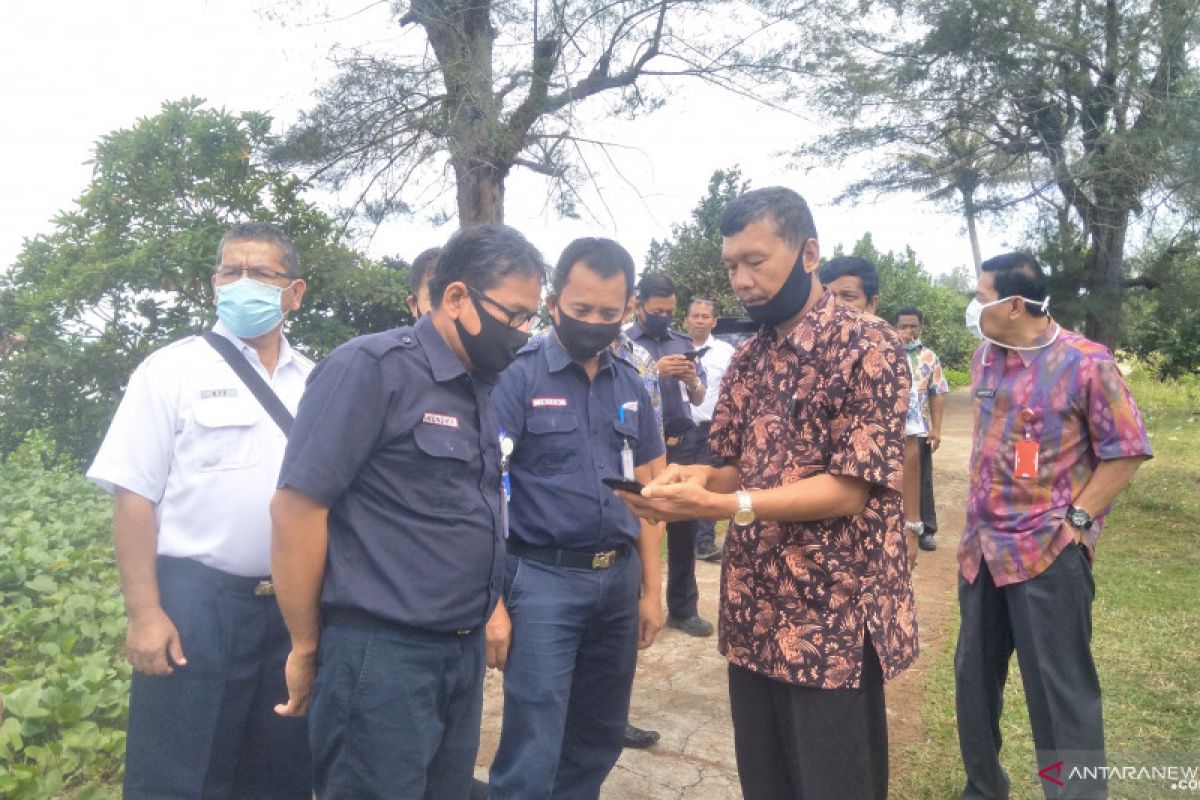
1145, 637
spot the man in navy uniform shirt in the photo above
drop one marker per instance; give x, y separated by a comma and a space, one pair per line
682, 381
388, 545
575, 413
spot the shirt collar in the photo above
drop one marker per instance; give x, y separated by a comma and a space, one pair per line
1027, 356
286, 356
443, 362
558, 359
808, 330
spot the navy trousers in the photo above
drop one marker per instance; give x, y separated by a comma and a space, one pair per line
1048, 620
395, 712
208, 730
568, 678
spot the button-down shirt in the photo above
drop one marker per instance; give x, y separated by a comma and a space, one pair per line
795, 596
399, 442
1070, 398
646, 367
715, 363
677, 416
568, 433
928, 381
190, 437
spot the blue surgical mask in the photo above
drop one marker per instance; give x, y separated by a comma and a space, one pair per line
249, 308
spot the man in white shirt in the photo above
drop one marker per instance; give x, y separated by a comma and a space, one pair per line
191, 459
701, 319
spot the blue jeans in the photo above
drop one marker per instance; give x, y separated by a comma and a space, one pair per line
395, 713
568, 679
208, 730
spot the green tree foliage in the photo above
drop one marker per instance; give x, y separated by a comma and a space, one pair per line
475, 88
1164, 328
1089, 100
903, 281
692, 254
127, 269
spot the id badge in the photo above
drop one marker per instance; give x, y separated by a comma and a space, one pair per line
1026, 465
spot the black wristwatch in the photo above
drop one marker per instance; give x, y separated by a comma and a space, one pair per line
1079, 519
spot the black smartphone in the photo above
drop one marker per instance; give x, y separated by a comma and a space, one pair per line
692, 355
634, 487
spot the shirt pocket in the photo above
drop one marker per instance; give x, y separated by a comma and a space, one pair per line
442, 458
225, 438
552, 447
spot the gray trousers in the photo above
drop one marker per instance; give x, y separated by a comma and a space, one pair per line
1048, 620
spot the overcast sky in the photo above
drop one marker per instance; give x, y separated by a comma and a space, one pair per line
72, 70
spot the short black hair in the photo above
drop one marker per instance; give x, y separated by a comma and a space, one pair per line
1019, 274
482, 256
266, 233
855, 267
909, 311
422, 266
704, 302
604, 257
655, 284
793, 221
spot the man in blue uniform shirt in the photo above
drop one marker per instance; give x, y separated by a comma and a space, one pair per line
682, 382
388, 543
577, 559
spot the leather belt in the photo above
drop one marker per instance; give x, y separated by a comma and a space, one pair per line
575, 559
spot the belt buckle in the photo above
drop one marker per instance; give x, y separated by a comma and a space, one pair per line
673, 440
264, 589
604, 560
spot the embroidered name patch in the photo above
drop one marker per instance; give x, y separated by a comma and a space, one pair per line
445, 420
554, 402
985, 393
206, 394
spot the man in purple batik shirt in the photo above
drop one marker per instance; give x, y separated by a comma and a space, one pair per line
1057, 437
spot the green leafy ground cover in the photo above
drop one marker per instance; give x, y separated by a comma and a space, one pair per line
64, 681
1146, 628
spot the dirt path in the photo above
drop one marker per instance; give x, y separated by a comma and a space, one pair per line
680, 689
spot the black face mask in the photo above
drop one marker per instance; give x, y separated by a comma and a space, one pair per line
787, 302
656, 325
584, 339
496, 344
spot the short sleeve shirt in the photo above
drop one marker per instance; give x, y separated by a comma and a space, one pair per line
928, 380
190, 437
399, 442
1070, 398
715, 362
796, 596
568, 433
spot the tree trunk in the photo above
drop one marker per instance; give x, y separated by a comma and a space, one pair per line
1105, 273
480, 191
972, 234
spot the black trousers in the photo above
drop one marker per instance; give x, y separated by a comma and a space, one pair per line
1048, 620
801, 743
928, 511
682, 594
706, 529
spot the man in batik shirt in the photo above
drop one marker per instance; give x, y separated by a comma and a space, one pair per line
1057, 437
816, 594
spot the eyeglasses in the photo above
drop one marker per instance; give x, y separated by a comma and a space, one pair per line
514, 319
257, 273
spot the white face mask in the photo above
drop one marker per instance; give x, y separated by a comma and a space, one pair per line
975, 311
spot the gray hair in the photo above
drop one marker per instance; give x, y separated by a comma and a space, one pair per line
266, 233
